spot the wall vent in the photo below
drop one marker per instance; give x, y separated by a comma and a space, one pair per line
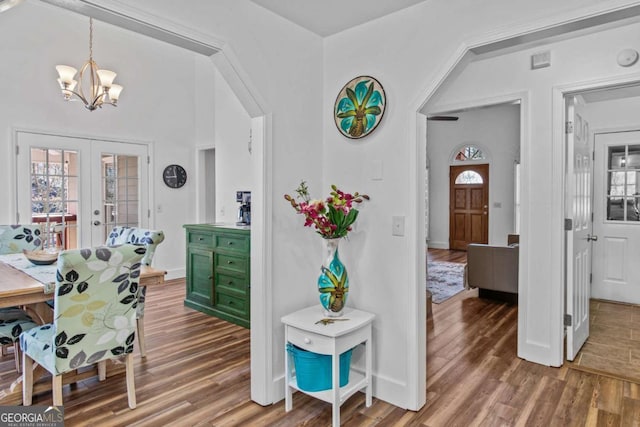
541, 60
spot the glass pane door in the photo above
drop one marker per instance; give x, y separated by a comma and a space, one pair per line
120, 191
78, 189
122, 179
54, 195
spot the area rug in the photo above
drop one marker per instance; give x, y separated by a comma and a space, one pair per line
445, 279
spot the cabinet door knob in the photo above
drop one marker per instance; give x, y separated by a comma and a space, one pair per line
229, 243
307, 341
200, 238
229, 262
210, 277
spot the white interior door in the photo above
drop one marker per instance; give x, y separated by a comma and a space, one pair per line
78, 188
578, 234
616, 270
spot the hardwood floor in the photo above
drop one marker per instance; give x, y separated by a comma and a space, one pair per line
613, 346
445, 255
197, 373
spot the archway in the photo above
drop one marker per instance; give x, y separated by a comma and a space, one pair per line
528, 347
232, 71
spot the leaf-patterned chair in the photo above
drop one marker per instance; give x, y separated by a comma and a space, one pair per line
94, 317
150, 239
15, 238
13, 320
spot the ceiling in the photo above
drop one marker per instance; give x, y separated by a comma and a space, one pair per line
327, 17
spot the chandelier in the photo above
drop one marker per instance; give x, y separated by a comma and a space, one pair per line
99, 87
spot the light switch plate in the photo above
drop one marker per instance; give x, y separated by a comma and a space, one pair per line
397, 225
376, 170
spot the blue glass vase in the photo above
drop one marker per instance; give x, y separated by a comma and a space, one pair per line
333, 283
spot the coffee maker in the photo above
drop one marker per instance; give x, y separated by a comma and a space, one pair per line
244, 211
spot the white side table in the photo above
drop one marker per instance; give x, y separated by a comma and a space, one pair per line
302, 330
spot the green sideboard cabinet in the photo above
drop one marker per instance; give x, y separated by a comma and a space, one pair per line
218, 271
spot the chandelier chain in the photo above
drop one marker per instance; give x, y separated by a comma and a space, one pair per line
91, 38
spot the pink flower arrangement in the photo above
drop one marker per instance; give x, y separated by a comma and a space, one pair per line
332, 218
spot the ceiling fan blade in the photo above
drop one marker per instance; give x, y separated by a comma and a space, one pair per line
443, 118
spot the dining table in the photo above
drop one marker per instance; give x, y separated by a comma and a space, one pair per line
30, 286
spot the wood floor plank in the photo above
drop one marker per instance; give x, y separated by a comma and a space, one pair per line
575, 402
630, 415
197, 373
610, 392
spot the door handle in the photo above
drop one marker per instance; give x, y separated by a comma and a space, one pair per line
591, 238
96, 222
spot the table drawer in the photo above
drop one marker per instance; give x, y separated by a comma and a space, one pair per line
200, 238
309, 341
231, 264
232, 243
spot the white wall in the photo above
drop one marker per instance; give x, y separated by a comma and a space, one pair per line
611, 115
496, 130
233, 160
408, 52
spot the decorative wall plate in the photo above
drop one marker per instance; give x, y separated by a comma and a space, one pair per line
359, 107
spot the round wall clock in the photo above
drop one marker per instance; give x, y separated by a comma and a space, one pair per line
359, 107
174, 176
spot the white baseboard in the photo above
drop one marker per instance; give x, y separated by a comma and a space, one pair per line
438, 245
176, 273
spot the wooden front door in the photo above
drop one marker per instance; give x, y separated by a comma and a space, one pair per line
468, 205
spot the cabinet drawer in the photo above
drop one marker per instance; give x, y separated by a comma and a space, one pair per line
232, 283
231, 264
310, 341
232, 243
231, 304
200, 238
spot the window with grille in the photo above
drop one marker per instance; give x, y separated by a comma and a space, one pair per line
623, 197
469, 152
469, 177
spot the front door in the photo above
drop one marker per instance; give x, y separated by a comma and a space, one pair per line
616, 270
79, 188
468, 205
578, 201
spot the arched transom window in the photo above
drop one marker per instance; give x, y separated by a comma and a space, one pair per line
469, 177
469, 152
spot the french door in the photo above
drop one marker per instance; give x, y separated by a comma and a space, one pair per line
78, 188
